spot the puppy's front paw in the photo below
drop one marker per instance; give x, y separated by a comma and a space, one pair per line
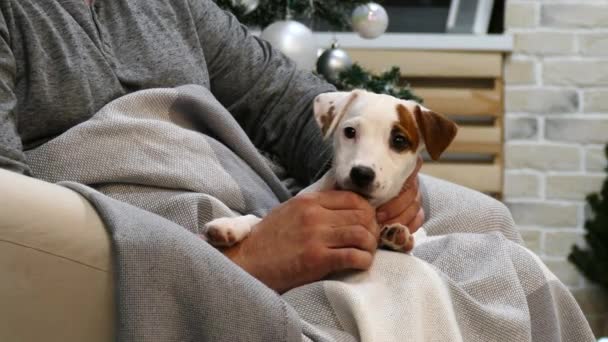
397, 237
226, 231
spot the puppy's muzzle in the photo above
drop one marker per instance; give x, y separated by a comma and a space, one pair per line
362, 176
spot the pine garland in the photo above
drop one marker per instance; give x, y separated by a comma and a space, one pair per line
390, 82
335, 12
593, 261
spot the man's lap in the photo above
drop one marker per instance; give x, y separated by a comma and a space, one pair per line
451, 208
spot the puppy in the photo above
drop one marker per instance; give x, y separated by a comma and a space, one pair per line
377, 140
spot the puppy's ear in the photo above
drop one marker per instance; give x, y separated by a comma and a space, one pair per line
437, 130
330, 108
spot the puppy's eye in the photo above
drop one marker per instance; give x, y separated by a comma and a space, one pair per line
399, 142
350, 132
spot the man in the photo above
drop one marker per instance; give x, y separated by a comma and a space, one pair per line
61, 61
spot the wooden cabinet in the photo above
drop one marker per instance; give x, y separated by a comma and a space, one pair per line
466, 86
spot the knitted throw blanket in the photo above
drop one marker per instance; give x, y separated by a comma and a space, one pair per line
158, 164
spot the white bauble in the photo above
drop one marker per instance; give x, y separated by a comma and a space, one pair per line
295, 40
370, 20
248, 5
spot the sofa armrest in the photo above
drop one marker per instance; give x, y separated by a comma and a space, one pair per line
55, 265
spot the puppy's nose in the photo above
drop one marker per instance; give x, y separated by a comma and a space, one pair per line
362, 176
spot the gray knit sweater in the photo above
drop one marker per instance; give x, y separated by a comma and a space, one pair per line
62, 60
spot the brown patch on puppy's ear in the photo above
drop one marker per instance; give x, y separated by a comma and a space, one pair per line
408, 126
330, 108
325, 109
437, 131
327, 118
343, 108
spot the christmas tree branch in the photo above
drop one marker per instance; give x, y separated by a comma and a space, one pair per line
335, 12
390, 82
592, 260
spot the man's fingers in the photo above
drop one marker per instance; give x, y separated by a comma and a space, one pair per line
407, 215
352, 236
414, 176
362, 218
417, 222
349, 258
393, 208
337, 200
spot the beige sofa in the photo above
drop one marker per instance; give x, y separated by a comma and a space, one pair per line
55, 266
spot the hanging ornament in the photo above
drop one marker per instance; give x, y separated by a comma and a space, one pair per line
293, 39
332, 62
247, 5
370, 20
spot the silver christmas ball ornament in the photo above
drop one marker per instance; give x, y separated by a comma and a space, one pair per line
293, 39
332, 62
370, 20
248, 5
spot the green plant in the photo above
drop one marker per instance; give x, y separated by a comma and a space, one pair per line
335, 12
593, 260
389, 82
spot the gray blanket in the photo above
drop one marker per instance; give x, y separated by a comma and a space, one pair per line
158, 161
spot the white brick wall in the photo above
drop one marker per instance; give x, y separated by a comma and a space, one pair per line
556, 122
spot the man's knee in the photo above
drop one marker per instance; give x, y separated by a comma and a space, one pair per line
453, 208
499, 215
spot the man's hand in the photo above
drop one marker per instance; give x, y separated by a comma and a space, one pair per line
406, 208
308, 237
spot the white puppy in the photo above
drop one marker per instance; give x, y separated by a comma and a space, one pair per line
376, 140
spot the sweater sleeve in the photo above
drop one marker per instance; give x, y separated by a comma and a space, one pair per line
269, 97
11, 151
